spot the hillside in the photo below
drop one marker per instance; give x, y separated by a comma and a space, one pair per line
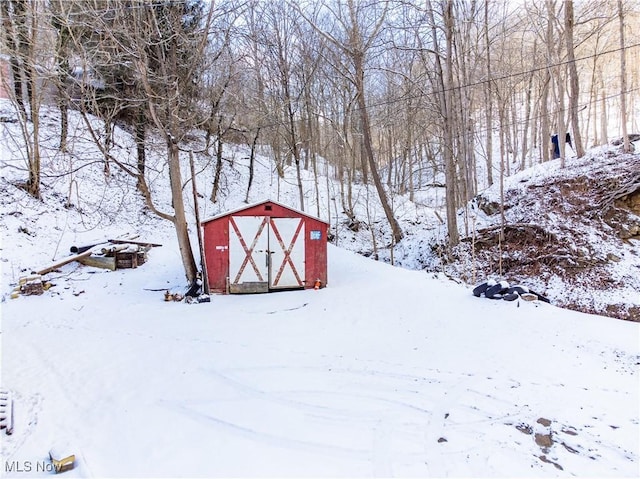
386, 372
573, 233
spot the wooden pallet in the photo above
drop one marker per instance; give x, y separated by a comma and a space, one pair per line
6, 411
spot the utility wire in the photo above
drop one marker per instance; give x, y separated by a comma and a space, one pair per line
392, 101
494, 79
422, 95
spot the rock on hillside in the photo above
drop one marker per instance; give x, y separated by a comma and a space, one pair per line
572, 233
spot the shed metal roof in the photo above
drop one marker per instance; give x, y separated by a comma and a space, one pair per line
253, 205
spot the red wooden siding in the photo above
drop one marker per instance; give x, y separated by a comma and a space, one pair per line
216, 244
216, 253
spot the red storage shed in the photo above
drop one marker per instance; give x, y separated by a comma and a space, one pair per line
264, 247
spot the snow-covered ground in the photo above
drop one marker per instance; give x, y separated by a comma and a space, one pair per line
385, 372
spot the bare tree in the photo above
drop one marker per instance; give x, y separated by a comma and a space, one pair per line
443, 90
574, 91
623, 81
156, 50
284, 38
355, 46
22, 32
170, 39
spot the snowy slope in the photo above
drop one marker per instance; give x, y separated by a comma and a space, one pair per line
600, 276
386, 372
565, 235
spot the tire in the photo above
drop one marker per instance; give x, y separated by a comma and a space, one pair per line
481, 288
495, 291
518, 289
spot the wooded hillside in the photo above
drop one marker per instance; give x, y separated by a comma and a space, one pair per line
395, 94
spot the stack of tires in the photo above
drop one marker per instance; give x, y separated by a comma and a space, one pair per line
493, 289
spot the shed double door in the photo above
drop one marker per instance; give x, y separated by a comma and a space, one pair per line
266, 253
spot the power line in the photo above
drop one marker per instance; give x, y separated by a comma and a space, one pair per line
535, 118
472, 84
392, 101
503, 77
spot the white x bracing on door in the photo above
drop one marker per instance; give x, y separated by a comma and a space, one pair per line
267, 253
286, 244
248, 247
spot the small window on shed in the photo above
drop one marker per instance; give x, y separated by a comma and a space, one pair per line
267, 207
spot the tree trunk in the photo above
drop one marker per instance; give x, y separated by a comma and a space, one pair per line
108, 140
623, 82
140, 138
527, 120
62, 69
217, 175
502, 168
604, 121
295, 149
196, 208
34, 103
574, 90
593, 104
12, 44
488, 100
562, 126
252, 158
550, 46
180, 218
358, 60
444, 94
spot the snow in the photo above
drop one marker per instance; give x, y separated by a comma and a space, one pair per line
337, 382
385, 372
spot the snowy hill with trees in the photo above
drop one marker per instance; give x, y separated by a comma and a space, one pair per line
385, 371
466, 249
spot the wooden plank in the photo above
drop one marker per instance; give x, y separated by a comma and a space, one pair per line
138, 243
68, 259
64, 464
104, 262
114, 249
62, 458
249, 287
